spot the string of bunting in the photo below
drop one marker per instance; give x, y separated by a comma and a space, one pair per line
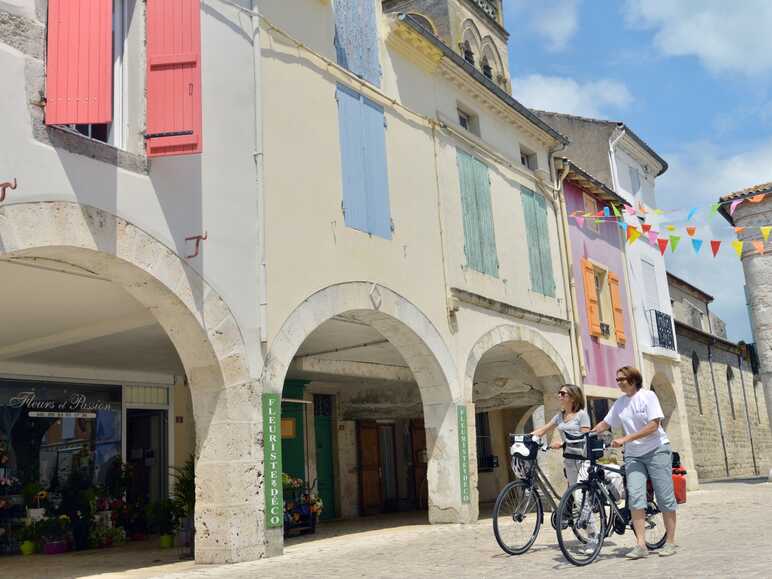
670, 239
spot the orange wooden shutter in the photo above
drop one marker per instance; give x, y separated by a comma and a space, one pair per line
173, 77
616, 305
79, 63
591, 298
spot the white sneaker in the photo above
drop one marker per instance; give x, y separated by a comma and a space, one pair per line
589, 548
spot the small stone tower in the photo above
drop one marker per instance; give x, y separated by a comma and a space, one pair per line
473, 28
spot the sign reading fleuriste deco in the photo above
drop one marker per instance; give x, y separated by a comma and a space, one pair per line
274, 494
488, 7
75, 403
463, 454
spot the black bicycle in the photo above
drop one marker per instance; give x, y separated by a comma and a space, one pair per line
519, 510
590, 507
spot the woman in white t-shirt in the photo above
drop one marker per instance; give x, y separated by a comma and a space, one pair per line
648, 455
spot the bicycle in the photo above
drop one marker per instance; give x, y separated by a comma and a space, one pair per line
519, 510
589, 507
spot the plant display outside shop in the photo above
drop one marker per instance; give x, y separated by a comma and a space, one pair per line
302, 506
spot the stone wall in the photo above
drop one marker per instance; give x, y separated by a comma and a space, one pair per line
714, 427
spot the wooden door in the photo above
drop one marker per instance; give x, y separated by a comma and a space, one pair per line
370, 488
418, 440
388, 454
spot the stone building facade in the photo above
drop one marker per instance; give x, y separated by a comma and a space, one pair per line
726, 409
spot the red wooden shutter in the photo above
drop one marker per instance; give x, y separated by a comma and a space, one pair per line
79, 67
173, 77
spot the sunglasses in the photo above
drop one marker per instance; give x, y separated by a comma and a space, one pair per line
562, 394
621, 379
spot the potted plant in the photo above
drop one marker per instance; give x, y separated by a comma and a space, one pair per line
163, 518
184, 497
29, 535
54, 532
35, 499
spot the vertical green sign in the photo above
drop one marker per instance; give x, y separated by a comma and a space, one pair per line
274, 495
463, 453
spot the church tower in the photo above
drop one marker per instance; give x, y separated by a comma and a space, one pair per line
473, 28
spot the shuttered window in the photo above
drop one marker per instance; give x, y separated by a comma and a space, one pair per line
363, 163
616, 305
539, 253
591, 298
356, 38
173, 78
479, 234
79, 63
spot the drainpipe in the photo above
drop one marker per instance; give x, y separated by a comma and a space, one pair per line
718, 406
747, 413
569, 280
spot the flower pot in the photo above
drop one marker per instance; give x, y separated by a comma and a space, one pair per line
55, 547
27, 548
167, 541
35, 515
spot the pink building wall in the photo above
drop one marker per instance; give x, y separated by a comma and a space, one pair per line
605, 247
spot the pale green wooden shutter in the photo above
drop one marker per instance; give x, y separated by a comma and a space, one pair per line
532, 237
472, 245
545, 255
490, 261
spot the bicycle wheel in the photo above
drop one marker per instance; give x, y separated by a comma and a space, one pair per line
581, 510
655, 526
517, 517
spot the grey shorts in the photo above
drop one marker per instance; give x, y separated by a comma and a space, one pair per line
656, 465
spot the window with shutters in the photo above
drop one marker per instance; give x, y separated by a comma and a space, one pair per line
603, 302
538, 238
356, 38
477, 212
591, 206
364, 168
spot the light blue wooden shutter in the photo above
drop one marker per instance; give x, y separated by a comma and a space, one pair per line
375, 169
356, 38
532, 237
472, 244
545, 255
352, 158
490, 261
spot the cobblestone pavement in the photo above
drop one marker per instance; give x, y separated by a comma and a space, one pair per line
725, 530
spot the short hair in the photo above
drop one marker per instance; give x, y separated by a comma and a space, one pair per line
633, 375
576, 396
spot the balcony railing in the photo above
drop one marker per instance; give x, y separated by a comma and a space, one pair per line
661, 329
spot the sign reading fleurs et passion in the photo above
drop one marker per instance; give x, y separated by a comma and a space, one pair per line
274, 494
463, 454
77, 402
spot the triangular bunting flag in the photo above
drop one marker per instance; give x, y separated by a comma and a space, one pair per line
691, 230
759, 245
659, 211
674, 241
739, 230
642, 208
765, 232
646, 227
629, 209
579, 220
670, 227
662, 245
715, 244
738, 247
598, 221
652, 236
733, 206
616, 211
714, 209
606, 212
623, 226
757, 198
599, 213
692, 213
697, 245
633, 234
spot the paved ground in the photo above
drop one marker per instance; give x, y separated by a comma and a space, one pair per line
725, 530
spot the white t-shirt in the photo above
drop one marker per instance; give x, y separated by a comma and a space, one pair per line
634, 412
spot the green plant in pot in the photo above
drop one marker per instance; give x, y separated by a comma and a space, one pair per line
184, 497
29, 536
162, 516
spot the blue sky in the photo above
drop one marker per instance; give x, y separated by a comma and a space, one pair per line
692, 78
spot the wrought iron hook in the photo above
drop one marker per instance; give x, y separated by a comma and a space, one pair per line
4, 187
198, 239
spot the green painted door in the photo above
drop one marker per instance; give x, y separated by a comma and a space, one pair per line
325, 472
293, 442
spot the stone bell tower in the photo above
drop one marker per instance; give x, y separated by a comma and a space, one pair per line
473, 28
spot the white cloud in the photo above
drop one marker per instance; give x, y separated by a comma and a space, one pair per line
699, 174
725, 36
566, 95
556, 22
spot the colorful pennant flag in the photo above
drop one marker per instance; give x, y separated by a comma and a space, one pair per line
765, 232
715, 244
607, 212
633, 234
646, 227
738, 247
739, 230
629, 209
734, 205
659, 211
616, 211
714, 209
670, 227
674, 241
759, 245
692, 213
697, 245
691, 230
652, 236
662, 245
757, 198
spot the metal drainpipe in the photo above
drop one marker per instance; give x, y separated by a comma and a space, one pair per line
747, 413
718, 408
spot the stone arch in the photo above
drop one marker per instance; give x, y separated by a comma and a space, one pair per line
491, 54
202, 328
424, 21
471, 38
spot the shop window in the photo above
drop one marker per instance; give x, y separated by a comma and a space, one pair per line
484, 447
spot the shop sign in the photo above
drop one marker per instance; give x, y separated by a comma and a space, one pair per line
463, 454
274, 494
75, 403
37, 414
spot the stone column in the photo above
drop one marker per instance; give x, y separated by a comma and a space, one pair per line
451, 498
552, 463
229, 475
